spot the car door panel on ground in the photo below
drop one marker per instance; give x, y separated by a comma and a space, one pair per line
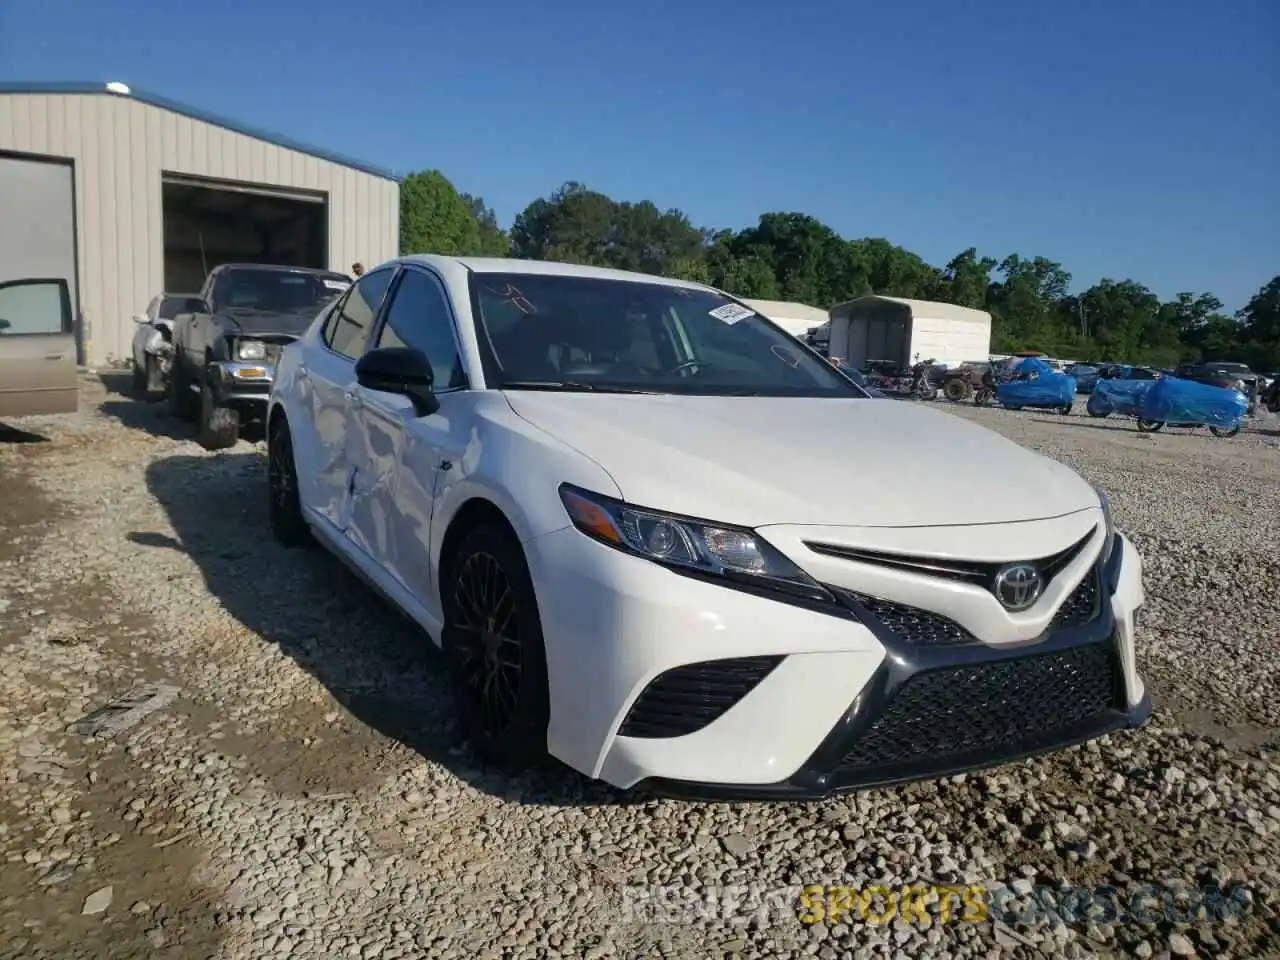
398, 471
330, 373
37, 348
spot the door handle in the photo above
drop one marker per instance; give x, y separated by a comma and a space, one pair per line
54, 356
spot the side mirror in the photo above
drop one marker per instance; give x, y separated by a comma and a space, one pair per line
141, 318
401, 370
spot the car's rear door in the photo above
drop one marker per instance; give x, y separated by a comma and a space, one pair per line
37, 348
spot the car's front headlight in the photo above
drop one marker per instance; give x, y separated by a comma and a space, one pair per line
251, 350
734, 556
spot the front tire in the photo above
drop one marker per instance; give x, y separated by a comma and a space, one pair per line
181, 403
493, 643
219, 426
1150, 426
284, 506
154, 386
1225, 433
957, 390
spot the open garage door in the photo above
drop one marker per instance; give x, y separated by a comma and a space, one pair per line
209, 222
38, 296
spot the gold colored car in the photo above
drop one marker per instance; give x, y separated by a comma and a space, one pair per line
37, 348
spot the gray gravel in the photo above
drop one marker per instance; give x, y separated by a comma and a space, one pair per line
306, 795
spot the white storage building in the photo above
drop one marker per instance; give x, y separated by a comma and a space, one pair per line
795, 318
900, 331
126, 194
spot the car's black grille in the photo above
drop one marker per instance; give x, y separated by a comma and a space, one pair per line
1081, 606
686, 699
921, 628
967, 714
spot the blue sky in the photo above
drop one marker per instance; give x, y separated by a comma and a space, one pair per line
1130, 138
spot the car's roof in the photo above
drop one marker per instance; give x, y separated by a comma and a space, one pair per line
548, 268
280, 266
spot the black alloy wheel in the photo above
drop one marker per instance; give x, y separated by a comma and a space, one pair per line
284, 506
494, 647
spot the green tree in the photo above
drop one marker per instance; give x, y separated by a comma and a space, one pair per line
434, 218
1261, 326
794, 256
965, 279
494, 241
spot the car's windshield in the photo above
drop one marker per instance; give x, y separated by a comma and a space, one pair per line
286, 291
546, 331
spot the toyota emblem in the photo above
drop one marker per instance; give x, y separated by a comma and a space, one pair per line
1018, 586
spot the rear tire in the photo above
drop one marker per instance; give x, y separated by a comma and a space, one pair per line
284, 506
492, 640
219, 426
1150, 426
957, 390
1226, 433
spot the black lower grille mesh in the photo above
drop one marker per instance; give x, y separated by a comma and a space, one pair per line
922, 628
979, 710
686, 699
1080, 607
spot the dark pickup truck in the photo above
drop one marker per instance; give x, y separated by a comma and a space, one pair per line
225, 353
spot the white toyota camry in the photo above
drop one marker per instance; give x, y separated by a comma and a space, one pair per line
664, 542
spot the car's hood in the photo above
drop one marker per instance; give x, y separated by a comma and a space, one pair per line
759, 460
293, 323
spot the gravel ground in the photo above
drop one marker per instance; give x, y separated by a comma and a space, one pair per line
306, 794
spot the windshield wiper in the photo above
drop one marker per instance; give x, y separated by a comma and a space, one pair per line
574, 386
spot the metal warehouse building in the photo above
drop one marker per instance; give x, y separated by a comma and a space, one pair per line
126, 195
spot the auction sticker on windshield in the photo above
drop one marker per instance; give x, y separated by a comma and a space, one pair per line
731, 313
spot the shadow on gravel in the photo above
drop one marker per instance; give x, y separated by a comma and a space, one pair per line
381, 667
10, 434
136, 412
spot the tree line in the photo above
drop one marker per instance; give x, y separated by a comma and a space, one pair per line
794, 256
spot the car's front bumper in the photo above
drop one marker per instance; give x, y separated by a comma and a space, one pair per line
241, 383
804, 703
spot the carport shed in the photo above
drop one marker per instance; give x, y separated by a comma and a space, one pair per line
126, 194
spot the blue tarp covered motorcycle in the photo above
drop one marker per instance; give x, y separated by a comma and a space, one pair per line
1118, 396
1186, 403
1036, 384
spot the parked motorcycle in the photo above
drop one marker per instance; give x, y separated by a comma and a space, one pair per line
918, 381
1155, 426
985, 395
921, 381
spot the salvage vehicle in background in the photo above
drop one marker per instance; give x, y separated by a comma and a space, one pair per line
1086, 375
152, 348
225, 351
581, 484
37, 348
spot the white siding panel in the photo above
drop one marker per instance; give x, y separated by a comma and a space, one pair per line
122, 146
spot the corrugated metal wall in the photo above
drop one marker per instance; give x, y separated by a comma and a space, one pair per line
120, 147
